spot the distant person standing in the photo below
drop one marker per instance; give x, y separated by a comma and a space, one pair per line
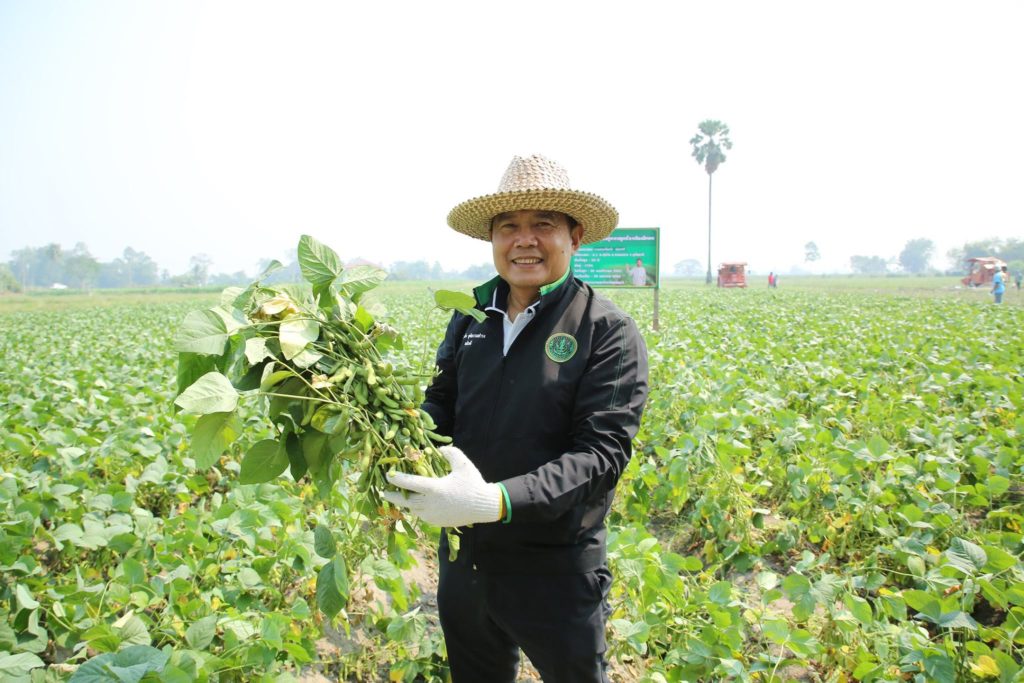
771, 279
1017, 278
999, 284
638, 273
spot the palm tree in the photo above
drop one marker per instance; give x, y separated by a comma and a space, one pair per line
707, 149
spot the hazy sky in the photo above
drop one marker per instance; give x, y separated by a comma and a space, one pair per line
231, 128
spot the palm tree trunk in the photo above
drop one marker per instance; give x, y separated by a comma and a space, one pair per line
708, 281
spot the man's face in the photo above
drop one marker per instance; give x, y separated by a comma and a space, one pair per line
533, 248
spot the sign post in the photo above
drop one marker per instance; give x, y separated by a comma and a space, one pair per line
628, 258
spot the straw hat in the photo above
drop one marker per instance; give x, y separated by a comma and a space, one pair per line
540, 184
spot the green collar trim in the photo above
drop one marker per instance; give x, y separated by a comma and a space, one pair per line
554, 285
484, 294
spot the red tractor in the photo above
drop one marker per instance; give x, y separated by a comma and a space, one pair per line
981, 270
732, 274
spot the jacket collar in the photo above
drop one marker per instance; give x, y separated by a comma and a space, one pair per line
494, 292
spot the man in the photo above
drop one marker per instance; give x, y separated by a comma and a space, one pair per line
638, 273
542, 401
999, 284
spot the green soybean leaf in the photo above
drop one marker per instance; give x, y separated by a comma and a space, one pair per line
19, 665
997, 485
129, 665
212, 435
203, 332
192, 366
264, 461
925, 603
24, 598
803, 644
319, 263
878, 446
201, 633
332, 587
734, 668
776, 630
323, 542
958, 619
313, 447
296, 460
796, 585
17, 443
459, 301
359, 279
860, 608
133, 631
363, 318
966, 556
173, 674
997, 559
211, 393
275, 378
720, 593
298, 653
691, 563
939, 669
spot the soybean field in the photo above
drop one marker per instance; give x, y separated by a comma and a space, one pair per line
827, 486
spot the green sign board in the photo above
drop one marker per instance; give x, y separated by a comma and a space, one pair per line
626, 258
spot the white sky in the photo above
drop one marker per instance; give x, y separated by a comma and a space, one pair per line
231, 128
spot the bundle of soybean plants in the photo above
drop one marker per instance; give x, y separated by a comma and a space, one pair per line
322, 371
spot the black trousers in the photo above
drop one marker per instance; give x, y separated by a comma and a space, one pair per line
558, 620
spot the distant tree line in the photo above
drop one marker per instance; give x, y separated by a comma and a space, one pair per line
916, 257
52, 266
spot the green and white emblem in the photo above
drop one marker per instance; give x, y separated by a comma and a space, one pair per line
560, 347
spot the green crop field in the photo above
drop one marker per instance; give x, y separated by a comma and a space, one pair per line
826, 487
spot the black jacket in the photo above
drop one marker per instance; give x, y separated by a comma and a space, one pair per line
552, 422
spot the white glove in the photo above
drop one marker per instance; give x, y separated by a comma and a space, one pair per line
456, 499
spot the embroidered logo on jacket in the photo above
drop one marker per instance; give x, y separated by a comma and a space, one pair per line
560, 347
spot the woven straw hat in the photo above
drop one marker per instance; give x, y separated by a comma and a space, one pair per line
540, 184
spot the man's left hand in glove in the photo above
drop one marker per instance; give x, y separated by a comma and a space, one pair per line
456, 499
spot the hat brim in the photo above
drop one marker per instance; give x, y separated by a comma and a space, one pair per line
597, 216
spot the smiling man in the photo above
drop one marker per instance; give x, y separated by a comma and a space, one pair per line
542, 400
